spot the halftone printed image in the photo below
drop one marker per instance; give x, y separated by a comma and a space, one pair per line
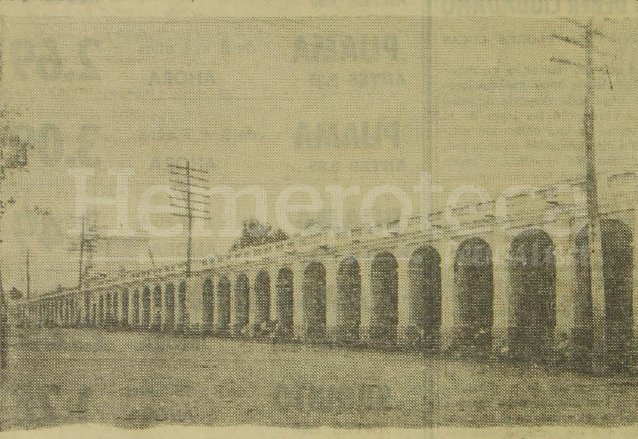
359, 219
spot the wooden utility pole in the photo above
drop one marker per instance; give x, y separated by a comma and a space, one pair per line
596, 277
189, 183
189, 239
84, 294
4, 327
594, 257
28, 277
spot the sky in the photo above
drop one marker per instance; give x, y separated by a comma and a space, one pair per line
279, 102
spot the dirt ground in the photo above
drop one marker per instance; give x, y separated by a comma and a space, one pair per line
135, 380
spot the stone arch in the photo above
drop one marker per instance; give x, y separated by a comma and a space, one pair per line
348, 299
617, 255
241, 303
146, 308
262, 299
424, 268
314, 300
208, 304
223, 303
532, 267
100, 308
169, 307
94, 314
116, 308
474, 294
284, 301
108, 310
136, 308
157, 308
385, 298
182, 315
125, 308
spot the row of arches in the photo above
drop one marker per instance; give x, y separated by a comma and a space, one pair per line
148, 307
532, 297
425, 281
241, 304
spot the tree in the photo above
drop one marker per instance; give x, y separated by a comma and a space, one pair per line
15, 294
256, 233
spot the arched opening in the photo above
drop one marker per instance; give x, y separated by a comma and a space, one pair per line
182, 315
169, 306
385, 298
424, 269
87, 310
208, 304
125, 309
223, 303
157, 308
348, 300
532, 268
94, 315
146, 308
101, 311
262, 300
108, 311
314, 300
116, 309
617, 254
240, 320
474, 292
136, 308
69, 315
284, 301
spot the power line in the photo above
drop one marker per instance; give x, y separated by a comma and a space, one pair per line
192, 201
189, 192
595, 244
188, 211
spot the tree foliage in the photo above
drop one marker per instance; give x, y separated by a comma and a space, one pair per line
256, 233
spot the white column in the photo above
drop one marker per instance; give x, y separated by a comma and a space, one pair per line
503, 315
194, 304
407, 330
252, 299
273, 272
181, 313
566, 291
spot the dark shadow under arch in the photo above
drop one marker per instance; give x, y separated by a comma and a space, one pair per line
242, 304
208, 305
314, 300
169, 307
474, 293
284, 290
262, 300
223, 304
617, 254
532, 267
424, 269
385, 298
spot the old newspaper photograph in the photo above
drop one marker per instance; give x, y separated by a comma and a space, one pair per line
364, 218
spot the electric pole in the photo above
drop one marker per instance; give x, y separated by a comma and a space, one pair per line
4, 327
594, 257
83, 294
28, 277
189, 185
